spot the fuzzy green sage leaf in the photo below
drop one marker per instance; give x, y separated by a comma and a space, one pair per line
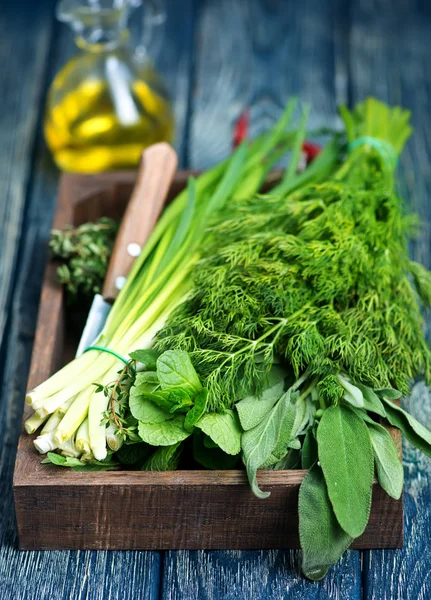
389, 468
323, 541
346, 457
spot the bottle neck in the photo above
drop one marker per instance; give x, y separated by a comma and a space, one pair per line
101, 40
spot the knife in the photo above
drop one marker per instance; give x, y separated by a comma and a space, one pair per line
156, 172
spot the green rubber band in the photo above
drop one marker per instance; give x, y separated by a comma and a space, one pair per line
108, 351
385, 149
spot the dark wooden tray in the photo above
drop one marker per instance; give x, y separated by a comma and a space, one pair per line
61, 509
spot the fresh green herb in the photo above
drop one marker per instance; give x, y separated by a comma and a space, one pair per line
388, 464
346, 458
211, 457
322, 539
84, 253
274, 328
164, 459
164, 433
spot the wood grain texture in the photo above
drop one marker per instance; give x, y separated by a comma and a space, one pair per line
257, 54
389, 49
264, 575
24, 50
23, 58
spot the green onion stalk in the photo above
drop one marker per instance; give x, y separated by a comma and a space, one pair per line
159, 280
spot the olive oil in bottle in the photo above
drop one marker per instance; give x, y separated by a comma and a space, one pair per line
106, 104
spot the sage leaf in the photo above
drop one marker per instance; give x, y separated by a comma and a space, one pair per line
291, 460
259, 443
175, 369
253, 409
389, 468
352, 394
371, 401
286, 434
346, 456
164, 459
223, 429
389, 393
165, 433
146, 411
415, 432
309, 450
322, 539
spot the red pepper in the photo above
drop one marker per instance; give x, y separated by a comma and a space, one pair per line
241, 128
241, 131
311, 151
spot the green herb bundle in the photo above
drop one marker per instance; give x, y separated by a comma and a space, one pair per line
72, 406
84, 253
288, 335
316, 283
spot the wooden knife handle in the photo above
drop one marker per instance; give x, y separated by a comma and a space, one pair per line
156, 172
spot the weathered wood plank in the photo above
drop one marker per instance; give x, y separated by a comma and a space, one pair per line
258, 575
23, 59
389, 50
54, 575
255, 54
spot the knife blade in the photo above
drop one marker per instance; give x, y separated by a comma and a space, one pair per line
156, 171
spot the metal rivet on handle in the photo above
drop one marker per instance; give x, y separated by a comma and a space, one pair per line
134, 249
119, 282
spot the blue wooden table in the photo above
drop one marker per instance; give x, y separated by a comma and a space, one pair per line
218, 57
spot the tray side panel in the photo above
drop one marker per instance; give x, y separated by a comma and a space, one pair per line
140, 516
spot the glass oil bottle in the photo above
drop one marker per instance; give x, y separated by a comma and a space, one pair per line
107, 104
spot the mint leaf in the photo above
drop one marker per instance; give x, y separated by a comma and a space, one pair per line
258, 443
89, 467
146, 411
389, 468
165, 433
346, 456
147, 380
146, 357
415, 432
175, 369
198, 410
172, 400
223, 429
164, 459
322, 539
55, 459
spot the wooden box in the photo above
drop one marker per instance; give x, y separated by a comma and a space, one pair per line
59, 508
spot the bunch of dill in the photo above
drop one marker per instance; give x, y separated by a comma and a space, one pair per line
318, 279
